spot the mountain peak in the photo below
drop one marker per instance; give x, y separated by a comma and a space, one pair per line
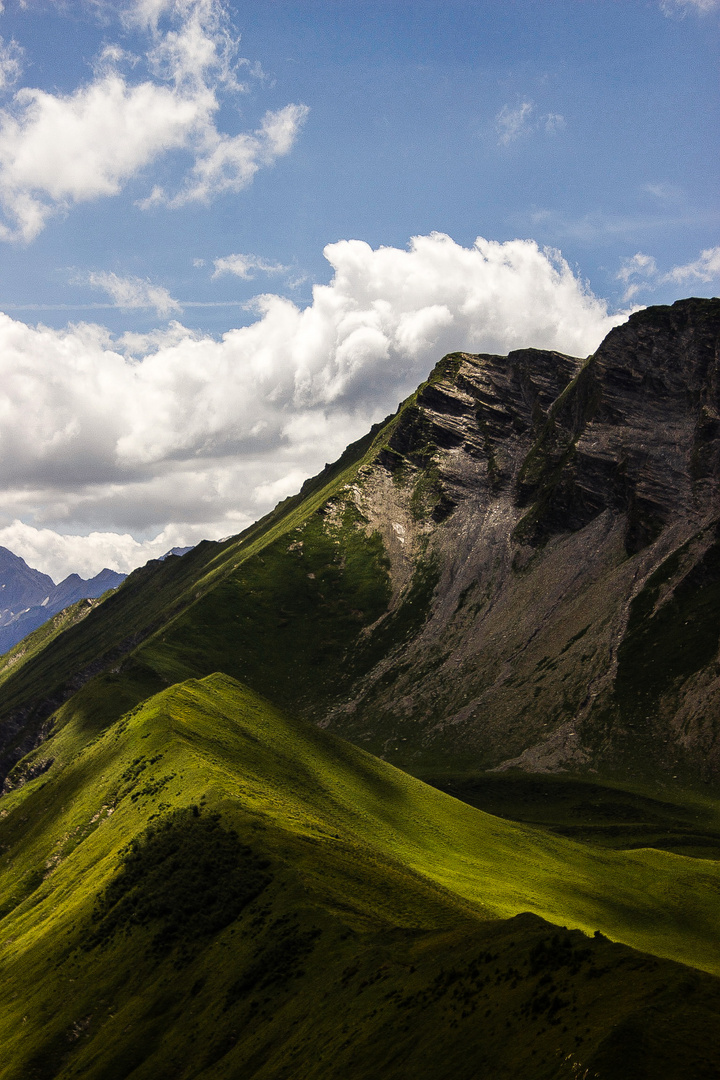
460, 588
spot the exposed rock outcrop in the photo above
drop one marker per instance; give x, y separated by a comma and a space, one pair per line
571, 510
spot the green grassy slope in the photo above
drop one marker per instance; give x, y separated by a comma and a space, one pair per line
281, 606
39, 639
340, 918
49, 667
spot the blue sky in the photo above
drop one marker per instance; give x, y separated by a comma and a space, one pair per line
173, 171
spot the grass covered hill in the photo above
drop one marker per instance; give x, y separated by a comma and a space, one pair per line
209, 888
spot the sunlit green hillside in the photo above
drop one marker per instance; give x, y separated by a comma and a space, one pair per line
345, 903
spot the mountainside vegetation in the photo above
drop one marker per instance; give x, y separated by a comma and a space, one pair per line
505, 597
210, 888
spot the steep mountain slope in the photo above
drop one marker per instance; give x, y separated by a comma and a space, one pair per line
574, 624
29, 598
518, 569
340, 919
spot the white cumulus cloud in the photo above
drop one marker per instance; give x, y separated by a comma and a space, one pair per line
10, 63
179, 435
229, 163
554, 122
511, 123
640, 266
60, 149
705, 268
683, 7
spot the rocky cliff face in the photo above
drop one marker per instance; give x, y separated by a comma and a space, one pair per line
638, 434
569, 510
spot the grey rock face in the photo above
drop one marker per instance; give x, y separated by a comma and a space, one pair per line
639, 433
571, 511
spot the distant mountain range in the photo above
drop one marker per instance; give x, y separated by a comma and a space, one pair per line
28, 598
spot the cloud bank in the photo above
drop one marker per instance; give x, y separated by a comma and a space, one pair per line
168, 437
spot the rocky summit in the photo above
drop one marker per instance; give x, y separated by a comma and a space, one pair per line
567, 514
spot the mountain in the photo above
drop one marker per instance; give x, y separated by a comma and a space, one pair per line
21, 586
29, 598
518, 569
509, 589
565, 516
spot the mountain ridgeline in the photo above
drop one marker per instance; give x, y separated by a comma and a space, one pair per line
341, 796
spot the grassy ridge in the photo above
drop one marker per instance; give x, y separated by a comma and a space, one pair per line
287, 619
366, 906
50, 666
313, 783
